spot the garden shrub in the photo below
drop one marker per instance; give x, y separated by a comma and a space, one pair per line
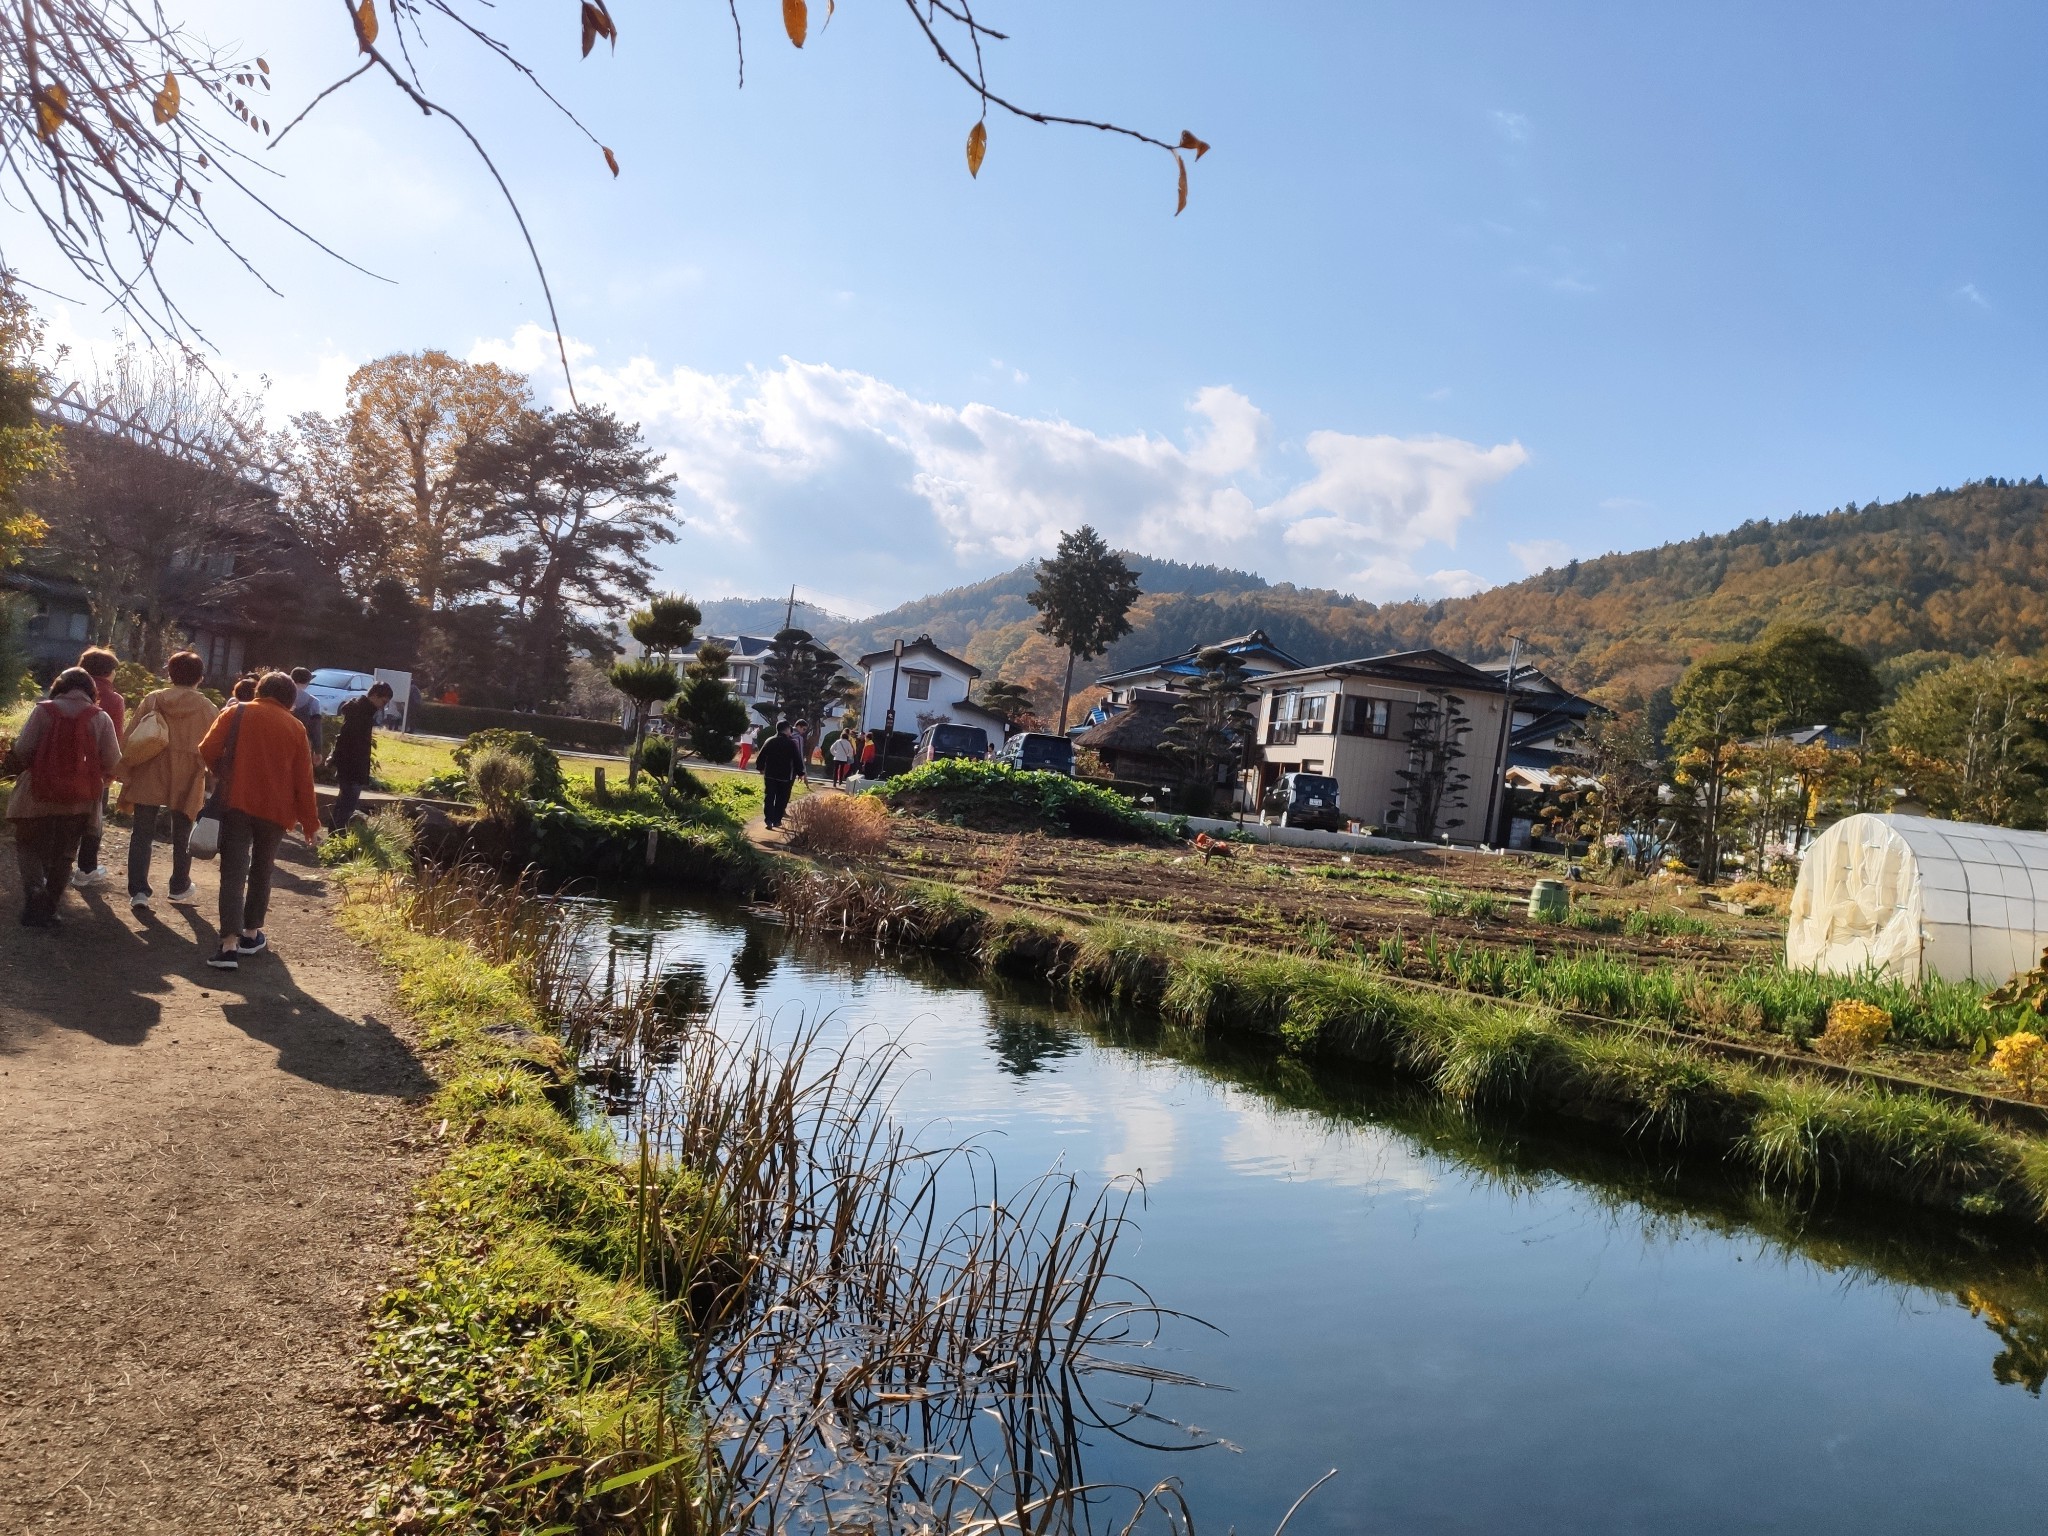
547, 782
1855, 1028
836, 826
500, 779
2023, 1058
992, 797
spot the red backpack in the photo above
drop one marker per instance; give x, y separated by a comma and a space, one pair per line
67, 761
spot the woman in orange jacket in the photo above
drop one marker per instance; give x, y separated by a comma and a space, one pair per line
269, 787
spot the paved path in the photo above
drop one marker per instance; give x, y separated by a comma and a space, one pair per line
203, 1177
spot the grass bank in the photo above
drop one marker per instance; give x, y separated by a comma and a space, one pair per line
1798, 1135
530, 1352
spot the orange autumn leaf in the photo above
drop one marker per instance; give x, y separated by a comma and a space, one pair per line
796, 20
165, 107
366, 24
1181, 206
53, 105
977, 146
1189, 141
611, 160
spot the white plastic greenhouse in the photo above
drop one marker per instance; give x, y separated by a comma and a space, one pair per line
1916, 898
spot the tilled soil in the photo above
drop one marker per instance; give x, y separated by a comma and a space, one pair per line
203, 1179
1279, 895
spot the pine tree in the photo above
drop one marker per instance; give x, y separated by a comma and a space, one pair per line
707, 707
667, 624
1213, 720
1084, 597
1432, 783
802, 678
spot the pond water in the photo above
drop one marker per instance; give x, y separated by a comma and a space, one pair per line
1483, 1330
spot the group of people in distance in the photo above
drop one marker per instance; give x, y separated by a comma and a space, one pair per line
785, 757
249, 761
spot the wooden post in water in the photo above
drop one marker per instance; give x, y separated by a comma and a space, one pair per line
653, 844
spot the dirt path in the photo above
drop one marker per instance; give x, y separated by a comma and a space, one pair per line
203, 1177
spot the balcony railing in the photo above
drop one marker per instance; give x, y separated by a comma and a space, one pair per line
1283, 733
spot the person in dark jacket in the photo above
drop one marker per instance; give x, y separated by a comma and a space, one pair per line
352, 746
100, 663
306, 710
781, 763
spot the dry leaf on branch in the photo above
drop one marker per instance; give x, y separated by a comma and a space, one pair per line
597, 22
611, 160
366, 24
53, 105
796, 20
165, 107
1180, 207
977, 146
1189, 141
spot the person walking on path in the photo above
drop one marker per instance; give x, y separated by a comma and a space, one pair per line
166, 786
62, 760
867, 758
748, 737
268, 786
306, 710
353, 744
841, 752
781, 764
100, 663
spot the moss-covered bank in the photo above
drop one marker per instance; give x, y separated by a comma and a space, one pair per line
1796, 1133
530, 1351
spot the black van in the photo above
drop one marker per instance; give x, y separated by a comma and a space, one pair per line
1038, 752
949, 740
1310, 800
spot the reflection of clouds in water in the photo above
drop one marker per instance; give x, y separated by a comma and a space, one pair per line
1266, 1141
1148, 1126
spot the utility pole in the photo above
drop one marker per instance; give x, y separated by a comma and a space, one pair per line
1500, 756
889, 720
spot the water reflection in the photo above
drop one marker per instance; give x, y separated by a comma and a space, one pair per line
1487, 1326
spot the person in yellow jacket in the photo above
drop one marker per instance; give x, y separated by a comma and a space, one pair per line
163, 777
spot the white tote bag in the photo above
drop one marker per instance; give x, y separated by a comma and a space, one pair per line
204, 843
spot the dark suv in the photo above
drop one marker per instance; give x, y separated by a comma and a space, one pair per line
1038, 752
949, 740
1309, 800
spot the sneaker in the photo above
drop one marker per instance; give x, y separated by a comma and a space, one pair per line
185, 894
86, 877
139, 900
224, 961
249, 946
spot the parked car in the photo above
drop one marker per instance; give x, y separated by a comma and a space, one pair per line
1038, 752
335, 686
1310, 800
949, 740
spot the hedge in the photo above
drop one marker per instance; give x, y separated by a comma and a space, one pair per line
561, 730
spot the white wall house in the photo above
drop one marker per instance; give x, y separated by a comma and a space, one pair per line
929, 685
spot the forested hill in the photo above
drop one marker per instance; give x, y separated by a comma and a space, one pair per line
1963, 571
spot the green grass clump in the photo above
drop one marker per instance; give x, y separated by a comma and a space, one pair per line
1124, 961
990, 795
1662, 922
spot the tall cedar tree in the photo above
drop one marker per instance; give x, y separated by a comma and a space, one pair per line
1432, 783
579, 499
666, 625
1213, 719
1084, 596
707, 708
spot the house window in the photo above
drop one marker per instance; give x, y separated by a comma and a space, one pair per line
743, 682
1314, 711
919, 684
79, 624
1367, 717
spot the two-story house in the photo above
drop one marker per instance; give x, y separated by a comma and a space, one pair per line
1413, 739
923, 685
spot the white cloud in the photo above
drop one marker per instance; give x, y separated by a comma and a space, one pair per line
1970, 293
845, 483
1513, 126
1540, 554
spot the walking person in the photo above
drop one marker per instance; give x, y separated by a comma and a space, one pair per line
306, 710
867, 758
265, 764
62, 760
781, 764
245, 690
167, 786
100, 664
748, 737
841, 753
353, 745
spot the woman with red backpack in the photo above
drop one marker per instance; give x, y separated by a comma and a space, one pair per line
62, 758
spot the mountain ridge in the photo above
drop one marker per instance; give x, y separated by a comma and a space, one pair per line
1956, 571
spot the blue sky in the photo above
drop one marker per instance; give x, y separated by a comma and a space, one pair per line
1460, 291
